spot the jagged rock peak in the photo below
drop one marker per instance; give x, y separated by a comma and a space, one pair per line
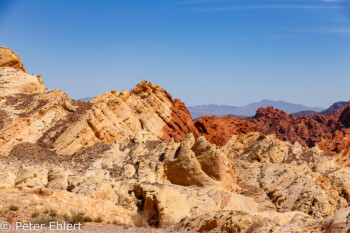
145, 88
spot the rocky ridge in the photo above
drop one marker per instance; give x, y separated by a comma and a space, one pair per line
53, 121
329, 132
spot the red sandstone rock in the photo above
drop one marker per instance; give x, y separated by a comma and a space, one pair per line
181, 122
330, 132
220, 130
340, 141
345, 115
306, 130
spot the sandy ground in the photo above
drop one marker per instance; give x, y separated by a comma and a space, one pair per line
100, 229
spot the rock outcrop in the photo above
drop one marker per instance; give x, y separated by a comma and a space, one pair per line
197, 162
329, 132
54, 122
9, 58
345, 116
220, 130
306, 130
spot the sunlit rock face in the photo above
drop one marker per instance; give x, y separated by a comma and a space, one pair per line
8, 58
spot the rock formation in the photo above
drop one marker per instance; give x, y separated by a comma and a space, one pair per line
9, 58
329, 132
345, 115
305, 130
51, 120
197, 162
220, 130
138, 159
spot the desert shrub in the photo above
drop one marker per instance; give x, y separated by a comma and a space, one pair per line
87, 219
35, 215
53, 213
77, 218
166, 223
65, 217
13, 208
44, 219
98, 220
140, 219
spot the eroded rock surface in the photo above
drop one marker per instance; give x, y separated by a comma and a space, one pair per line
253, 181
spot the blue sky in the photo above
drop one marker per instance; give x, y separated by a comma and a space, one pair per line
202, 51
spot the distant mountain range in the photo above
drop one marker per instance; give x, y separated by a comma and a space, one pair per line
336, 106
247, 110
86, 99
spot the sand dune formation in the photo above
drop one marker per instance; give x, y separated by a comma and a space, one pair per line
137, 158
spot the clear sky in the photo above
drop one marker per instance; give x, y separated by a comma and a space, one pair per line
202, 51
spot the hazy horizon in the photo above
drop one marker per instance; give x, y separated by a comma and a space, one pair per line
226, 52
256, 101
